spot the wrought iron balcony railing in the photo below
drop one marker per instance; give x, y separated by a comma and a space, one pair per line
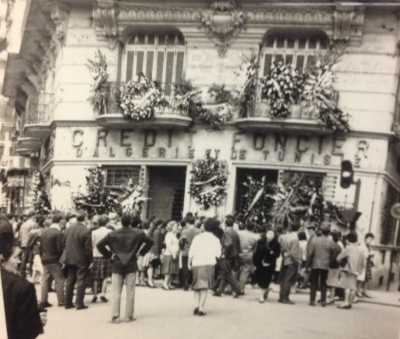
113, 90
39, 110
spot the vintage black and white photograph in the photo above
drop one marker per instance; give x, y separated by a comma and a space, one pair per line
199, 169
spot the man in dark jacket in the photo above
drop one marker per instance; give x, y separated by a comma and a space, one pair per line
291, 259
52, 243
77, 258
321, 253
123, 246
229, 261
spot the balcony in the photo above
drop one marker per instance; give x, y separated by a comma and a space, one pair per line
299, 121
27, 146
165, 117
38, 117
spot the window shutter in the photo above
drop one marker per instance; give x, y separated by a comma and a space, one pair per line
139, 65
149, 64
179, 68
169, 72
129, 65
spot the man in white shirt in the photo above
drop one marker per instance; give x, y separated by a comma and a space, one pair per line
101, 265
24, 235
248, 241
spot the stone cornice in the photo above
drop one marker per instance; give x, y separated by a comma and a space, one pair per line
343, 22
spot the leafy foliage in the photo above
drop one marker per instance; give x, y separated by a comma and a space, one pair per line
98, 199
99, 89
40, 201
258, 211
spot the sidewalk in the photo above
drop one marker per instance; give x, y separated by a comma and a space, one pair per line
383, 298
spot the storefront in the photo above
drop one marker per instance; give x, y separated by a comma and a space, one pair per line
165, 157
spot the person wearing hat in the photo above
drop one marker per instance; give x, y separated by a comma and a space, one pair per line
321, 251
23, 318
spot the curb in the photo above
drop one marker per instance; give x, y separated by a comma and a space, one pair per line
379, 303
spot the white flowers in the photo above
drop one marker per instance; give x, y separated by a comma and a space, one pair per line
139, 99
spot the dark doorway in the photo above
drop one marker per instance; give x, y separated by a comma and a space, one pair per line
241, 176
166, 192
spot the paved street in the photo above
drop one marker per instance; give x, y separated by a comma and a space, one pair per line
168, 315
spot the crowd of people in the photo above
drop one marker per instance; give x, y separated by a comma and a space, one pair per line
74, 253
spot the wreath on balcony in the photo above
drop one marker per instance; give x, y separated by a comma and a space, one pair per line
319, 94
138, 99
212, 105
208, 182
99, 89
282, 87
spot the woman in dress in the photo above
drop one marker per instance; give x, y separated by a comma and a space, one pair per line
265, 256
352, 261
203, 254
170, 257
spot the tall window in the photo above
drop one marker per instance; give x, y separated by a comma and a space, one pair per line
158, 55
120, 176
298, 49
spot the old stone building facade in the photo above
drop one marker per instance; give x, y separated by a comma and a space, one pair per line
206, 42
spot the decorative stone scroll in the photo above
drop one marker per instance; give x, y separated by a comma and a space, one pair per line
348, 23
223, 22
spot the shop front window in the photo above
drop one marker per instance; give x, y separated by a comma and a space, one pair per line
158, 55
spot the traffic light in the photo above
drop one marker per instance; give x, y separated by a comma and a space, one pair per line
346, 174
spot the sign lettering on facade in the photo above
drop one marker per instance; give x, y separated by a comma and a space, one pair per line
186, 145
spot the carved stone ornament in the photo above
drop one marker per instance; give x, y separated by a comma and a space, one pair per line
348, 23
223, 22
105, 17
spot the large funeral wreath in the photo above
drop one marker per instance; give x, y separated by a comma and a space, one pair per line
208, 182
139, 98
282, 87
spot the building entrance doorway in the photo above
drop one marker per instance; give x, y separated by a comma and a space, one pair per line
166, 192
242, 176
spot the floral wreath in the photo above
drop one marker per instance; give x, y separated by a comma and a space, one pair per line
208, 182
282, 87
139, 99
211, 105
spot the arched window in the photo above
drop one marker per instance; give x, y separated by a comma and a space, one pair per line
298, 48
158, 55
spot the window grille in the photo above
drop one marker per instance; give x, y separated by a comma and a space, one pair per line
159, 56
293, 48
120, 176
